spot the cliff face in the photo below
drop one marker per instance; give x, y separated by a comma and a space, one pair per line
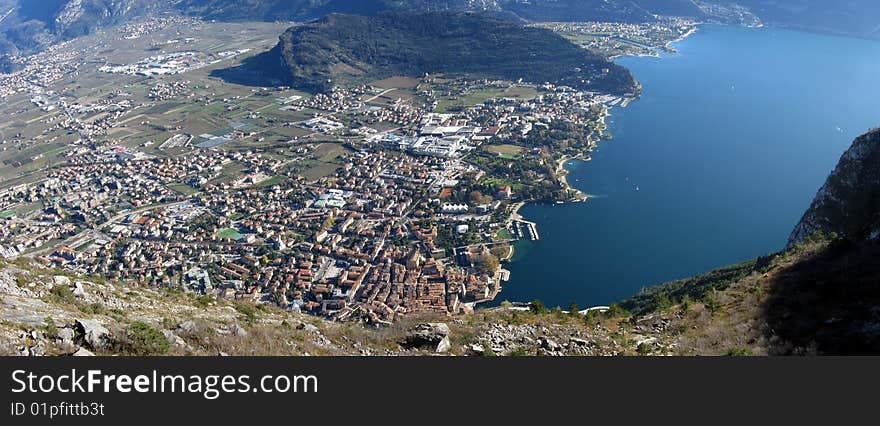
849, 202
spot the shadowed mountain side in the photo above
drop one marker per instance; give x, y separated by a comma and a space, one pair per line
828, 303
260, 70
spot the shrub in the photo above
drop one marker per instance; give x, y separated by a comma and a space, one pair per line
248, 310
686, 304
617, 311
168, 323
739, 352
62, 294
204, 301
711, 302
573, 308
538, 307
96, 308
591, 317
142, 339
50, 327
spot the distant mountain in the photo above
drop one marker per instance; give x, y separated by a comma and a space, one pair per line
531, 10
348, 49
849, 202
859, 18
281, 10
28, 26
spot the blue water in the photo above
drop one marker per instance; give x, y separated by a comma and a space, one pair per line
713, 165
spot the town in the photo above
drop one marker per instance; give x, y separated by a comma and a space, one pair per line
362, 204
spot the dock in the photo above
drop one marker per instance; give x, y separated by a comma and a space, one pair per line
525, 230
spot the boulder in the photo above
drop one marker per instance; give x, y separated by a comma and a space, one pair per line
66, 335
79, 290
175, 339
578, 341
188, 326
238, 331
476, 349
429, 336
309, 328
83, 352
548, 344
92, 333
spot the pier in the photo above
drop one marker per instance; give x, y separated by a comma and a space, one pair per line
525, 230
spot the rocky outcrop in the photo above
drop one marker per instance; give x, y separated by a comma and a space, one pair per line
429, 336
849, 202
92, 333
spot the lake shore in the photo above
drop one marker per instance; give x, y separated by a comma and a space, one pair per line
561, 172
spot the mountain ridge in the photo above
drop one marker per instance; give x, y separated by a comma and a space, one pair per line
848, 204
27, 27
350, 49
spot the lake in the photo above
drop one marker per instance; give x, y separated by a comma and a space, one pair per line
713, 165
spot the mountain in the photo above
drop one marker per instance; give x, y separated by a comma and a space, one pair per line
849, 202
29, 26
858, 18
529, 10
349, 49
279, 10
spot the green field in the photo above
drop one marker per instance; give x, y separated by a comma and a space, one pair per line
505, 150
229, 233
183, 188
480, 96
396, 83
272, 181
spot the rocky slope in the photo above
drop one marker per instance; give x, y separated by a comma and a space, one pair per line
793, 304
849, 202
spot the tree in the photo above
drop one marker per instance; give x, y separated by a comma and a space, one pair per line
279, 298
573, 308
538, 307
501, 252
486, 263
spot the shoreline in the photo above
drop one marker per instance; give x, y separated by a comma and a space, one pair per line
561, 172
657, 52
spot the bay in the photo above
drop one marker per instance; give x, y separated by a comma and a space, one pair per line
713, 165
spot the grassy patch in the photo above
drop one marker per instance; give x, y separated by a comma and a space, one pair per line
505, 150
229, 233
